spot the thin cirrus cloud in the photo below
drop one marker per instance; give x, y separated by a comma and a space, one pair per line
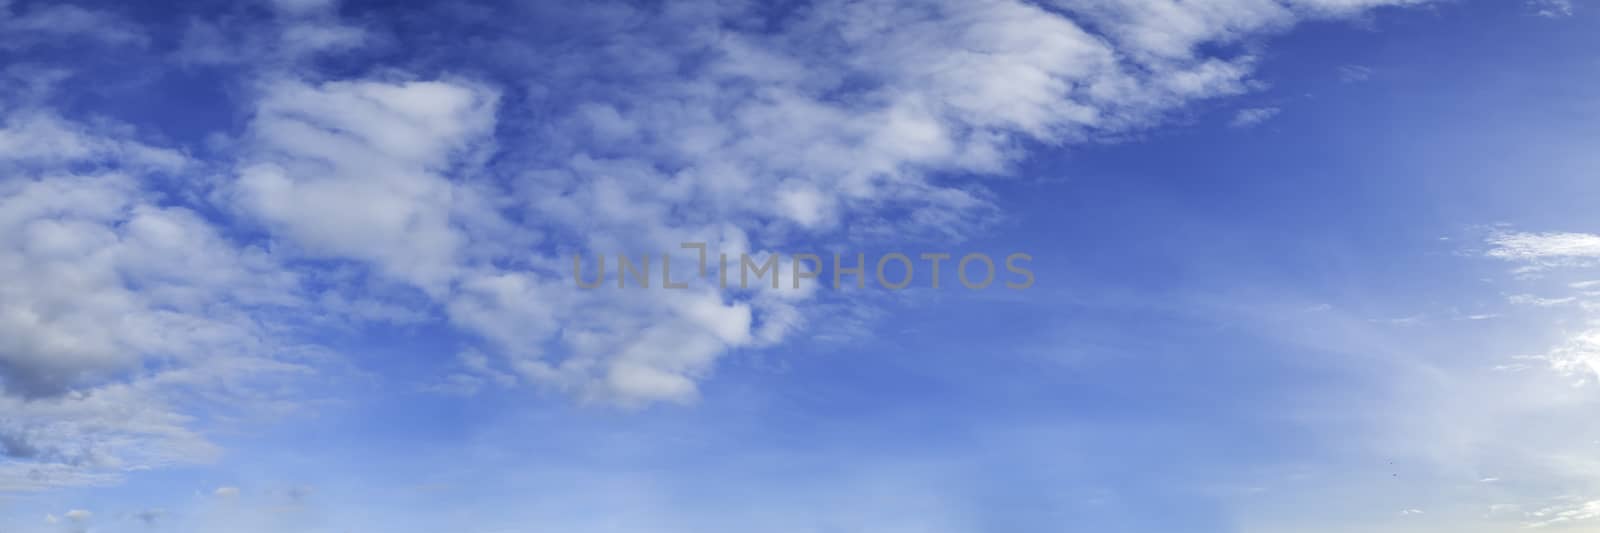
141, 278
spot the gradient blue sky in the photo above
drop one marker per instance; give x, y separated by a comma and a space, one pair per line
1302, 266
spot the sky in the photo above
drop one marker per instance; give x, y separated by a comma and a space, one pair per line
308, 266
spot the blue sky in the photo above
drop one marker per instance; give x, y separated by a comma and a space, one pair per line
302, 265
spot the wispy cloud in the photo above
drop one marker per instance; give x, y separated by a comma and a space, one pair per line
1551, 8
1251, 117
1543, 250
1354, 73
45, 24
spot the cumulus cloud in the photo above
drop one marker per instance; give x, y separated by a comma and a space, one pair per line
115, 306
37, 138
96, 275
352, 170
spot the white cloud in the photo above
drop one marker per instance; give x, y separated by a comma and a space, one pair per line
1578, 356
1354, 73
91, 438
1529, 299
299, 29
1551, 8
115, 309
1563, 514
1250, 117
352, 170
1544, 247
46, 23
96, 276
35, 137
226, 492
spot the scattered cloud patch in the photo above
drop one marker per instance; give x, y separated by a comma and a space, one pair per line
1356, 74
1251, 117
1551, 8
